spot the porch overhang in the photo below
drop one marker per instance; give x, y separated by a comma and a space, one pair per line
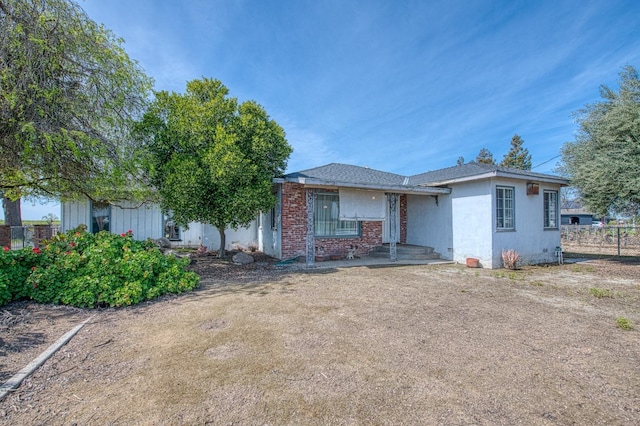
398, 189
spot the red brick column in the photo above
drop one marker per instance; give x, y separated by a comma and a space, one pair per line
293, 220
41, 233
5, 236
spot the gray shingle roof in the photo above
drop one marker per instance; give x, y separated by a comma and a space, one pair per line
341, 174
472, 169
455, 172
346, 173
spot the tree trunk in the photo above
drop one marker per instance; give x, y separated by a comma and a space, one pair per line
221, 251
12, 212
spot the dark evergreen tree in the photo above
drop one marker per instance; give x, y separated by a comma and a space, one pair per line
518, 157
485, 157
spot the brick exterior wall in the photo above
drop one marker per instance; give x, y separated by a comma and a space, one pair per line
292, 220
293, 226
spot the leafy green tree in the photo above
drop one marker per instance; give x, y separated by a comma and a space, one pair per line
485, 157
68, 95
211, 159
460, 161
518, 157
603, 162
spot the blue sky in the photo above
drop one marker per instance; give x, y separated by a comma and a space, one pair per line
401, 86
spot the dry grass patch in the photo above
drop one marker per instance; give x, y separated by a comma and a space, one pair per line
401, 345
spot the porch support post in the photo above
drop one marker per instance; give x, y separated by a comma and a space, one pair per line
310, 235
393, 218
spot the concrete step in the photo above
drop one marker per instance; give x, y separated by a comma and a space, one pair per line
405, 252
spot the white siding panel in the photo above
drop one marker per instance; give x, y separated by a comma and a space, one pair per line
191, 236
74, 214
144, 221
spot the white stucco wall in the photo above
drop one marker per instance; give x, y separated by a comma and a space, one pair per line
270, 228
463, 224
471, 214
270, 236
429, 224
531, 240
242, 238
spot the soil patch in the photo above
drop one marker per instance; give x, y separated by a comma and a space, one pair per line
437, 344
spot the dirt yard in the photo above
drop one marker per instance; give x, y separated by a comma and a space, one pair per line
438, 344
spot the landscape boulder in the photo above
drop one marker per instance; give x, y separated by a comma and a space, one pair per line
163, 243
242, 258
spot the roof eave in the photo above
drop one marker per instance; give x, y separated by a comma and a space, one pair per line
401, 189
547, 178
497, 173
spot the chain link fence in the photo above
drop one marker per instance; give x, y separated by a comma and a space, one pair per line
617, 240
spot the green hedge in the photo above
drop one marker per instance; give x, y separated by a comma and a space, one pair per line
86, 270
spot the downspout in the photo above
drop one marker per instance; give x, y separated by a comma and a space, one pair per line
260, 229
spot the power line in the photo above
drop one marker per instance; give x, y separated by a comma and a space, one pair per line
545, 162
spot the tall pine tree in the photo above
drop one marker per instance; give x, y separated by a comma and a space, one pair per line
518, 157
485, 157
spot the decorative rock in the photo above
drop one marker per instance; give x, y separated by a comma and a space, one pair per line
242, 258
163, 243
176, 253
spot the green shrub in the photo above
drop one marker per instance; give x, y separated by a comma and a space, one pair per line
86, 270
15, 267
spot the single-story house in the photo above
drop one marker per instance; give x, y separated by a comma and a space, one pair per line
148, 221
467, 211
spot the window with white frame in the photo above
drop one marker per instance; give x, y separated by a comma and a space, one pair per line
505, 208
551, 209
327, 221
